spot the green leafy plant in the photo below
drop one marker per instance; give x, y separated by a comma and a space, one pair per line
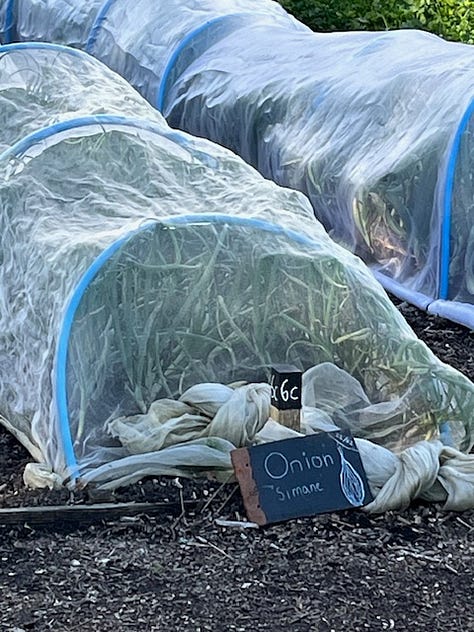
451, 19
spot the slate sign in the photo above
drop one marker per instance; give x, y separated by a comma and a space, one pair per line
285, 387
304, 476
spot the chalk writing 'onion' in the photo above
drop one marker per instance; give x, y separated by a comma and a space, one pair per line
277, 466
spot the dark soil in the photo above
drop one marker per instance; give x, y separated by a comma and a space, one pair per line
183, 571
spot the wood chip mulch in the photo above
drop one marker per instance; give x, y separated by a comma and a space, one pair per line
182, 570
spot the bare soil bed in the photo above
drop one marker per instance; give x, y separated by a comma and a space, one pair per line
183, 571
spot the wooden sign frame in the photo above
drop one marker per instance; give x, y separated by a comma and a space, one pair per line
303, 476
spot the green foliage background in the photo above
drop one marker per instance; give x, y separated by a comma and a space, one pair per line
452, 19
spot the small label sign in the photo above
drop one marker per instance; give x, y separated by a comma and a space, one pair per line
298, 477
285, 383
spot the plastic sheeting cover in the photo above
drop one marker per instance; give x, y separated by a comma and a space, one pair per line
3, 23
134, 266
124, 34
374, 127
65, 22
136, 39
112, 308
369, 135
43, 84
428, 470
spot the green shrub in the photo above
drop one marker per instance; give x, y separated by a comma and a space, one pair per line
452, 19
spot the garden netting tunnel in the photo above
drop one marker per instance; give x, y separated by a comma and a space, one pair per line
374, 127
45, 84
138, 262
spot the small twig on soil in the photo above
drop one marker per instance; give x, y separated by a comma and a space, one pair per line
428, 558
236, 523
341, 522
181, 500
299, 617
79, 627
465, 524
211, 498
213, 546
182, 515
227, 499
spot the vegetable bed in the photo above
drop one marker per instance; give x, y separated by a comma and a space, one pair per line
400, 569
374, 127
139, 261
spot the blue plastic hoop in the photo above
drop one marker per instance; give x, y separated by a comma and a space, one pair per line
95, 28
9, 21
445, 247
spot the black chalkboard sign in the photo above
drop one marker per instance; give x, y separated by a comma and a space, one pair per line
304, 476
285, 384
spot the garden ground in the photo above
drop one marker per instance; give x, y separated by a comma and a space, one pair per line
185, 571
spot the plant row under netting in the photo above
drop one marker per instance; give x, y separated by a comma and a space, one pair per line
149, 280
374, 127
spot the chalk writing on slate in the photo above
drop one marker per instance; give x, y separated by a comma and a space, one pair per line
285, 384
304, 476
